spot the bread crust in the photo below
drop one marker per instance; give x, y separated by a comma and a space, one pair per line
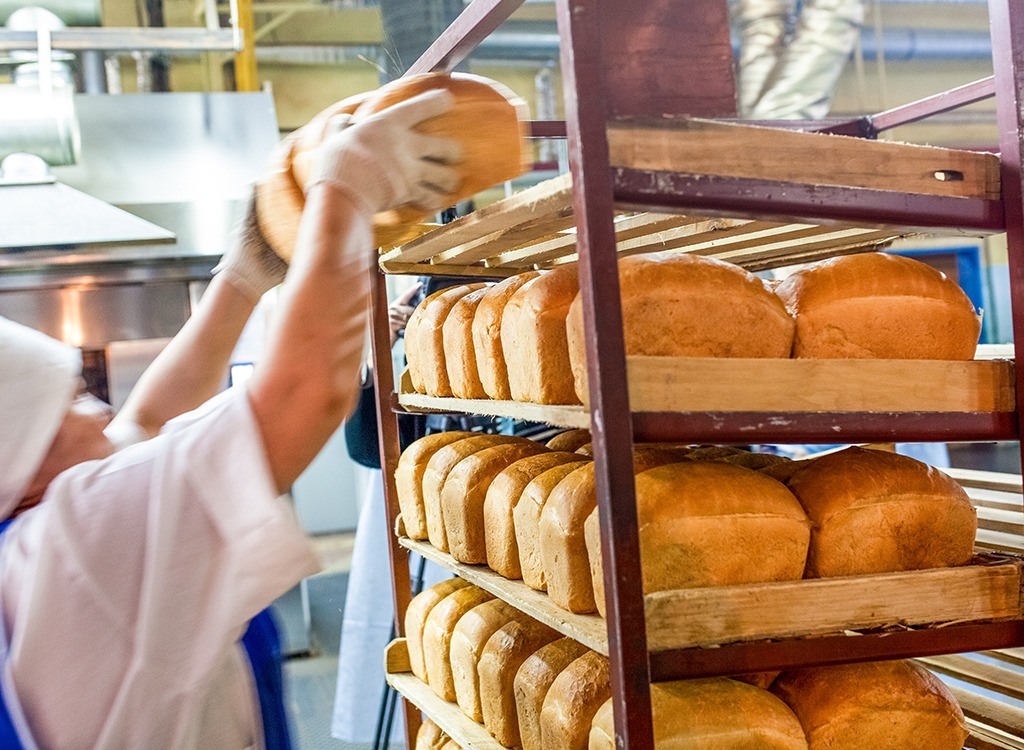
490, 357
459, 353
437, 637
409, 479
572, 701
533, 681
416, 616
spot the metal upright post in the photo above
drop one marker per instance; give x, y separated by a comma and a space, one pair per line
390, 450
1007, 21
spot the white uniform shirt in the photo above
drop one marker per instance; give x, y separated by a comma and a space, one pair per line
125, 591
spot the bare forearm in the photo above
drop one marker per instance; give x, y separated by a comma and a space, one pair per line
192, 367
308, 380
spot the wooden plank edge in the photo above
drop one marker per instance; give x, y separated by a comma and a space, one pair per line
562, 416
1004, 719
590, 630
981, 674
689, 618
448, 716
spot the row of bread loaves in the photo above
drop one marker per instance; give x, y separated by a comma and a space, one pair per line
524, 338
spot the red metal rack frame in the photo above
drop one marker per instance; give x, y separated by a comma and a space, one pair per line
639, 60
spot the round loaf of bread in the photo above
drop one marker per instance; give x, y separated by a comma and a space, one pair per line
877, 305
570, 440
563, 547
711, 524
533, 338
437, 637
428, 347
689, 306
464, 492
890, 705
499, 505
486, 119
533, 681
313, 133
715, 714
490, 358
505, 652
438, 468
572, 701
526, 519
471, 634
416, 617
877, 512
430, 736
409, 479
459, 354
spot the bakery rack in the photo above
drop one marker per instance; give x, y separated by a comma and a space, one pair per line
659, 162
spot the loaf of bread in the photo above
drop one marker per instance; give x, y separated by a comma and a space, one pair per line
533, 681
755, 461
409, 479
533, 338
470, 636
890, 705
877, 512
702, 523
570, 440
486, 120
501, 500
430, 736
572, 701
526, 519
877, 305
411, 341
715, 714
434, 476
464, 492
490, 358
416, 617
459, 354
313, 133
689, 306
280, 199
429, 340
437, 637
587, 449
504, 653
563, 547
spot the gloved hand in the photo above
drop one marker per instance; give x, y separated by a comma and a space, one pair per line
382, 162
250, 265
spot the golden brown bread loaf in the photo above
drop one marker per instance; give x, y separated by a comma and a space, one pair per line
587, 449
434, 476
490, 358
429, 340
459, 354
570, 440
890, 705
409, 479
502, 496
877, 305
713, 452
487, 120
411, 341
280, 199
755, 461
312, 134
689, 306
464, 492
526, 520
563, 547
877, 512
711, 524
416, 617
504, 653
534, 679
471, 634
572, 701
430, 736
714, 714
437, 637
533, 338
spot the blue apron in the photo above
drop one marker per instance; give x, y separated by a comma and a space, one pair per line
263, 647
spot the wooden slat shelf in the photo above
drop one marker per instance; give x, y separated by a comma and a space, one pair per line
690, 618
448, 716
536, 228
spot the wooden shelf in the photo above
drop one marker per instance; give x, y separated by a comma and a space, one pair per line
536, 227
448, 716
590, 630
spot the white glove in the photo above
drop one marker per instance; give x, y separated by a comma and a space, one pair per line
382, 162
250, 265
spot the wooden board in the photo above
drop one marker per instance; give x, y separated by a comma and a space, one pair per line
590, 630
996, 722
448, 716
702, 617
733, 150
1008, 682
